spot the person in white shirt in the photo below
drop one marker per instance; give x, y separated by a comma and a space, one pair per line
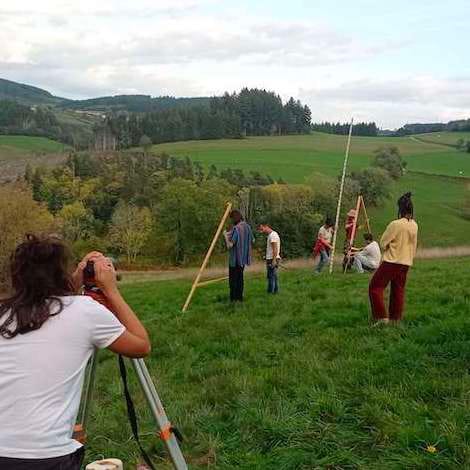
47, 335
322, 247
273, 257
369, 257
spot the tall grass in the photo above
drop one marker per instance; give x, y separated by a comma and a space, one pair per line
301, 381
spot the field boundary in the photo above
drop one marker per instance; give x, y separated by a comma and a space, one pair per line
130, 277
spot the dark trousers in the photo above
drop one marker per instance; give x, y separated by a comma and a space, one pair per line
273, 280
395, 275
67, 462
236, 282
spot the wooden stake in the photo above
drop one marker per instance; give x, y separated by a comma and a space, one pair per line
212, 281
353, 233
208, 255
340, 197
365, 213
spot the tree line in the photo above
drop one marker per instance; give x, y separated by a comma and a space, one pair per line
369, 129
251, 112
461, 125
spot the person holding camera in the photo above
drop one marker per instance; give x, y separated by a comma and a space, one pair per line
48, 332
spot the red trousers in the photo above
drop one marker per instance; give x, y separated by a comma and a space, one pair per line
388, 273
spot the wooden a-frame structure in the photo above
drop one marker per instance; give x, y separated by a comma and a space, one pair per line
197, 281
360, 205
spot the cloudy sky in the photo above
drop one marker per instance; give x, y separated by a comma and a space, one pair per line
392, 62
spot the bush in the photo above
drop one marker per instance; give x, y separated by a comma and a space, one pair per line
389, 159
292, 211
374, 185
188, 214
15, 203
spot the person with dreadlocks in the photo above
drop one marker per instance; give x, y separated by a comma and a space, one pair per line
399, 243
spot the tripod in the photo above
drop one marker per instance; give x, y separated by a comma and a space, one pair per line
167, 433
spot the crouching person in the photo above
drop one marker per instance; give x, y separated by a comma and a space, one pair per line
47, 335
369, 257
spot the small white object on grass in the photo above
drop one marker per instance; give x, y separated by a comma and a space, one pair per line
106, 464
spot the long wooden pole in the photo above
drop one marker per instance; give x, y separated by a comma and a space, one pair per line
353, 233
340, 197
365, 213
211, 281
208, 255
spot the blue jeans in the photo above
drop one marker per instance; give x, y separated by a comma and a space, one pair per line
273, 281
324, 259
360, 263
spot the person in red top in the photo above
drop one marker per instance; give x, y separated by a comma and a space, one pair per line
322, 246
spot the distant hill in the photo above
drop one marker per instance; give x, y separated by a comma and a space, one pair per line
134, 103
33, 96
27, 94
462, 125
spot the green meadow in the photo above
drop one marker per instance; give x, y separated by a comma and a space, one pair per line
436, 174
16, 151
18, 144
301, 380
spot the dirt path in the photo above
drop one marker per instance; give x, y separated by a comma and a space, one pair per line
259, 267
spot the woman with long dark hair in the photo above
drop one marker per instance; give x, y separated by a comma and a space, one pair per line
399, 243
47, 334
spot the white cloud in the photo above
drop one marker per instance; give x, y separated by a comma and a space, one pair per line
393, 102
188, 47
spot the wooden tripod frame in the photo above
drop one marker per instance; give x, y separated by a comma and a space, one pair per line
359, 205
196, 282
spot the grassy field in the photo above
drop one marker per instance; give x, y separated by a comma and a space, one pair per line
300, 381
443, 138
433, 174
294, 158
17, 151
18, 144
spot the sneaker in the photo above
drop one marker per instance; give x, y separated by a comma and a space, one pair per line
381, 322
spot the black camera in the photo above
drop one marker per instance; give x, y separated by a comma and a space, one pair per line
89, 272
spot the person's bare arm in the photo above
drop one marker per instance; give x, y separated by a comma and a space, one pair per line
134, 342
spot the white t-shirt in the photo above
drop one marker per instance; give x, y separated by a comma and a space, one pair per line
273, 237
371, 255
325, 233
41, 378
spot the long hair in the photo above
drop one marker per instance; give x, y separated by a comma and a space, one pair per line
405, 206
39, 270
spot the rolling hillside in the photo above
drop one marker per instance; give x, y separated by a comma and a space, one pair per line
17, 151
27, 94
433, 172
33, 96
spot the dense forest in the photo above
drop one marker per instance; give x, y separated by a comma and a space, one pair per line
452, 126
361, 128
16, 118
252, 112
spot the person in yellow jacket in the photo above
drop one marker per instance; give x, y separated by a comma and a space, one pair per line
399, 243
